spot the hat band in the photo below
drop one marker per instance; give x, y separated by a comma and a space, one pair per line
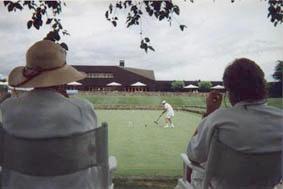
31, 73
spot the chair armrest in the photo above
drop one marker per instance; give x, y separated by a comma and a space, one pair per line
190, 164
112, 163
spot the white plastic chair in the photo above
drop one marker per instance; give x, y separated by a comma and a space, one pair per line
66, 155
235, 169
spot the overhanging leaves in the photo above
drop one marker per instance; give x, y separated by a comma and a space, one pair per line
41, 12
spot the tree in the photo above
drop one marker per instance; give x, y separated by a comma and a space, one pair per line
166, 10
278, 71
177, 85
275, 88
204, 86
43, 13
159, 10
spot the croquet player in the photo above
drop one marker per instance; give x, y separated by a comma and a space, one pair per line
169, 114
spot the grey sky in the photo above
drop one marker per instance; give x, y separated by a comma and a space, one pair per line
217, 33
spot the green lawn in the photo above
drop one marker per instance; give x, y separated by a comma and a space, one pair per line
276, 102
144, 149
141, 147
147, 100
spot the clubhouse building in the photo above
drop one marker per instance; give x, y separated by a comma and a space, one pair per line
122, 78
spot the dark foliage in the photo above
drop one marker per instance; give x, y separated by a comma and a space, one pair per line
166, 10
278, 73
159, 10
43, 13
275, 11
275, 89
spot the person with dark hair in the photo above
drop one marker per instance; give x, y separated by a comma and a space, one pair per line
248, 126
244, 80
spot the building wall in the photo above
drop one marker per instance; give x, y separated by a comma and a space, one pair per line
124, 77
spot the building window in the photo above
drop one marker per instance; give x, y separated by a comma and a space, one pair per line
100, 75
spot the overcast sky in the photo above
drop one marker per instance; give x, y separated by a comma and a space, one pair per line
217, 33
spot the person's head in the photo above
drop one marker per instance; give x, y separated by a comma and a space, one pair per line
163, 102
45, 68
244, 81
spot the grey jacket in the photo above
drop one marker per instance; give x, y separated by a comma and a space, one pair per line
40, 114
247, 127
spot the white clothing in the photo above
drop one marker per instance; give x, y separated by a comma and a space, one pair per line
40, 114
169, 110
247, 127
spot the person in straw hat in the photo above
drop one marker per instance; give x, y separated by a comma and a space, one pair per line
46, 111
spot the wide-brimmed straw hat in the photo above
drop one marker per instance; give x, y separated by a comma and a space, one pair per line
45, 67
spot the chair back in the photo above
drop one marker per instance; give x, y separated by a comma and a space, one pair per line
238, 169
57, 155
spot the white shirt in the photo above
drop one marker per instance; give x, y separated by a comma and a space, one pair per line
247, 127
169, 109
42, 113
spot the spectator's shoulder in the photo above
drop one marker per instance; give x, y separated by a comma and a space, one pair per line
219, 114
10, 101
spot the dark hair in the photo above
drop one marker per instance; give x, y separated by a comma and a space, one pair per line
244, 79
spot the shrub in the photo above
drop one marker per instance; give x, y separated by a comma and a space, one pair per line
177, 85
204, 86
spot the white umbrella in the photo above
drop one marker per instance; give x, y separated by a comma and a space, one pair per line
138, 84
74, 83
20, 89
191, 87
218, 87
113, 84
4, 83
